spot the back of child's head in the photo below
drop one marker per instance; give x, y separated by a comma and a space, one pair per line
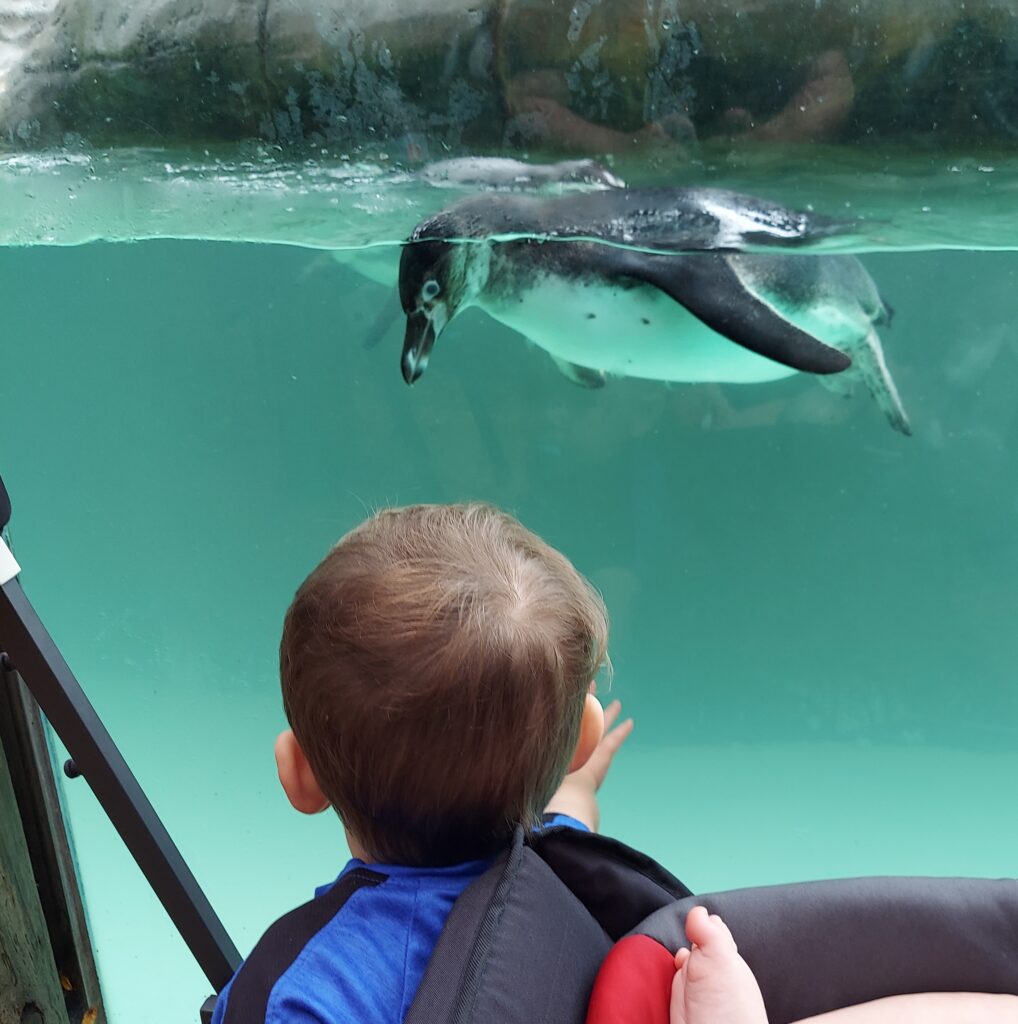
434, 669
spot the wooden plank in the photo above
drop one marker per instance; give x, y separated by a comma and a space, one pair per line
24, 733
41, 831
28, 972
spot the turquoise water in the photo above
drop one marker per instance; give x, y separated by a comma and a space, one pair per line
813, 617
326, 199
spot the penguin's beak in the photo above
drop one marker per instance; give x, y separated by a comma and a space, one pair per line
422, 331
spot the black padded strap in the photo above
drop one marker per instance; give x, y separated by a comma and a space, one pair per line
820, 946
518, 948
457, 959
618, 885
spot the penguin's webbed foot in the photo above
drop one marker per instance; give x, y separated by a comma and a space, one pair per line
582, 376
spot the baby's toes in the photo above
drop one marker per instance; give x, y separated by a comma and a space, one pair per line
722, 933
709, 932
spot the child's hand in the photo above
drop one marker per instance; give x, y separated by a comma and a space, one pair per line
596, 768
577, 795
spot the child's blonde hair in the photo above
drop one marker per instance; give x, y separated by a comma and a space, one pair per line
434, 670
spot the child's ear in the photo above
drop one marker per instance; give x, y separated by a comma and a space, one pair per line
591, 731
295, 776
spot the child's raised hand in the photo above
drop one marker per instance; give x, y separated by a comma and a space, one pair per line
614, 736
577, 793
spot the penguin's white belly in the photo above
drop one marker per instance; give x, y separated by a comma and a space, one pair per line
628, 332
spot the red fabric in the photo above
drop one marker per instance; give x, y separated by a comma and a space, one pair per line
634, 984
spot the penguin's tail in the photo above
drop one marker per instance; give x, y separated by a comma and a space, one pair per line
869, 362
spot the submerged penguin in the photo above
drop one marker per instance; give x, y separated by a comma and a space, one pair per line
643, 283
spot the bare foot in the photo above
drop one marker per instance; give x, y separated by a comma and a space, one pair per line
714, 985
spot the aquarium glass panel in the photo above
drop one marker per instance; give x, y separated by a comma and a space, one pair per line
661, 231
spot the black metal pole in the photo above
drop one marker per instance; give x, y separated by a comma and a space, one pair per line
5, 505
35, 656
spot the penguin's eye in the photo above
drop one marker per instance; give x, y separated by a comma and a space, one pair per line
430, 290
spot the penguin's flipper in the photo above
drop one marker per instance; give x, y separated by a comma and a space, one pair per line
583, 376
871, 366
707, 285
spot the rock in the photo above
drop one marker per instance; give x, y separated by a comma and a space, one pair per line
120, 72
658, 79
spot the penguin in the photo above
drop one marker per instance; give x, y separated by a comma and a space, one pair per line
503, 173
380, 263
652, 283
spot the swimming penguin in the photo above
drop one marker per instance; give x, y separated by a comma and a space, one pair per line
665, 299
503, 173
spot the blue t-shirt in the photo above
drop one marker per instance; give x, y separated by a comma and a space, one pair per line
356, 954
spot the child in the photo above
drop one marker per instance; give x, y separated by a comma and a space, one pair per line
436, 673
